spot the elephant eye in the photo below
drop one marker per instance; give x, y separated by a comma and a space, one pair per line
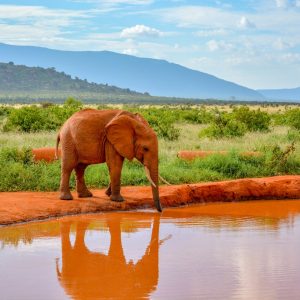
145, 148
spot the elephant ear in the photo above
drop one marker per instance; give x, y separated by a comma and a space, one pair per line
120, 133
141, 119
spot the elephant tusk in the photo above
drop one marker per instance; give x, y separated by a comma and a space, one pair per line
149, 176
164, 180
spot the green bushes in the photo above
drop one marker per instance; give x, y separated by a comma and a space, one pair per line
254, 120
23, 155
162, 120
290, 117
223, 126
236, 123
34, 118
162, 123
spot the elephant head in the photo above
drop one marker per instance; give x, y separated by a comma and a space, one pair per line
132, 137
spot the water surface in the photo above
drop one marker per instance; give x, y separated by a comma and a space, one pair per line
244, 250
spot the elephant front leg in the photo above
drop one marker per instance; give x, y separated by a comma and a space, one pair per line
115, 163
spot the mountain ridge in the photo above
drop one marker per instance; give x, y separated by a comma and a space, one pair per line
292, 94
157, 77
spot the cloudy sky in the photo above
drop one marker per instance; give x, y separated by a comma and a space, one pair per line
253, 43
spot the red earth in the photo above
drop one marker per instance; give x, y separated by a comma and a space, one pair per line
18, 207
46, 154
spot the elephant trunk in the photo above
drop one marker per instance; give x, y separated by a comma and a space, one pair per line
152, 176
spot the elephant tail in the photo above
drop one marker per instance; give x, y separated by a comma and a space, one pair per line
56, 148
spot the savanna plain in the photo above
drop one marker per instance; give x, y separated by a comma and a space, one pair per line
270, 129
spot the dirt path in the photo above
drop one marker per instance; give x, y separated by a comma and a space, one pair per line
18, 207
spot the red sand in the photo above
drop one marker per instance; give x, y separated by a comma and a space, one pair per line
27, 206
46, 154
190, 155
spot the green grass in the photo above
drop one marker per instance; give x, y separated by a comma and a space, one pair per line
18, 172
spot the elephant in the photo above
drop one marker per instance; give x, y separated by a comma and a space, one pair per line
93, 136
86, 274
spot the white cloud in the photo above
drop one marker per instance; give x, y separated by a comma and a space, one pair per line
282, 3
290, 58
214, 45
140, 31
212, 32
245, 23
116, 2
198, 16
17, 12
287, 3
280, 44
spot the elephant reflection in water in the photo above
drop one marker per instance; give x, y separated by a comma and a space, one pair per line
90, 275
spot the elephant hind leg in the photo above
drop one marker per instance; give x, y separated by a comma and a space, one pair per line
108, 190
81, 188
65, 193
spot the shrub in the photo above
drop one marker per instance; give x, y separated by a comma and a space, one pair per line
163, 126
23, 155
26, 119
254, 120
224, 126
5, 110
196, 116
161, 120
292, 118
278, 160
33, 118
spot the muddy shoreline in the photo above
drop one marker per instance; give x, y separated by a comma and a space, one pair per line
20, 207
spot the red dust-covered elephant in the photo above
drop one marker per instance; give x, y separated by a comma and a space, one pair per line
95, 136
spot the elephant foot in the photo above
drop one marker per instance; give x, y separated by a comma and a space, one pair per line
85, 194
116, 198
108, 191
66, 196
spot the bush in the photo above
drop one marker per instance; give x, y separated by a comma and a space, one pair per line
33, 118
23, 155
224, 126
161, 120
196, 116
292, 118
254, 120
278, 160
5, 110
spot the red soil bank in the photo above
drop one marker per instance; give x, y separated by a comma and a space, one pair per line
46, 154
190, 155
26, 206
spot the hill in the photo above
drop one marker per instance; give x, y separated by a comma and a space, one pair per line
157, 77
282, 94
36, 79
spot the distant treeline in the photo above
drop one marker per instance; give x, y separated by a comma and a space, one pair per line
101, 98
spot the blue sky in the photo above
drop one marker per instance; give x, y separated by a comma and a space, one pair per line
253, 43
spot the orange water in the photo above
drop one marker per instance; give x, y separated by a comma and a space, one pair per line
244, 250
